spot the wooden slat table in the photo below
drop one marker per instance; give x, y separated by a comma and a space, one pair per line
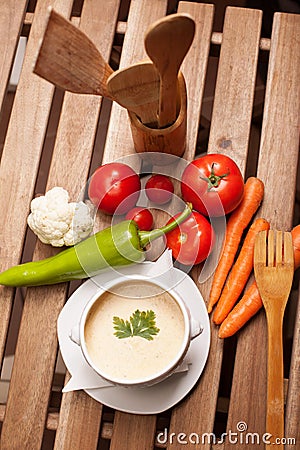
88, 133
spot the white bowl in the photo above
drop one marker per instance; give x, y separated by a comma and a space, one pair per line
191, 330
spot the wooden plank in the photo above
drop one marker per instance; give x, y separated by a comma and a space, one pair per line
37, 343
79, 422
277, 160
24, 140
119, 143
194, 68
234, 87
197, 413
76, 406
292, 429
141, 14
133, 432
11, 21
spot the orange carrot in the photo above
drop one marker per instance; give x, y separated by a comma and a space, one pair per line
242, 312
240, 272
251, 302
238, 221
296, 244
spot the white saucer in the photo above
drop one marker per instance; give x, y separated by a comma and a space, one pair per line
137, 400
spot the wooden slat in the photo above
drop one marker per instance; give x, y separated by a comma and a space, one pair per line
20, 157
129, 429
133, 431
277, 168
37, 343
194, 68
234, 87
11, 21
197, 413
79, 422
142, 13
100, 28
292, 429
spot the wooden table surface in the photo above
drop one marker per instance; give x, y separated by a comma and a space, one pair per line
232, 388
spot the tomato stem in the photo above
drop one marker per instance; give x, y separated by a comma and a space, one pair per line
147, 236
213, 180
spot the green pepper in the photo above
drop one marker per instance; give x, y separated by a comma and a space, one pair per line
118, 245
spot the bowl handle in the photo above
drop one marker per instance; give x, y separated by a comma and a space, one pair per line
74, 334
196, 328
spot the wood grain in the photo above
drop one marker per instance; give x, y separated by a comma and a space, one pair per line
278, 157
234, 87
133, 430
119, 143
167, 42
194, 69
230, 86
37, 335
136, 88
79, 422
11, 21
141, 14
274, 276
292, 429
24, 140
69, 59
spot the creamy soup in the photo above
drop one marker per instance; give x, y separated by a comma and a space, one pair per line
134, 357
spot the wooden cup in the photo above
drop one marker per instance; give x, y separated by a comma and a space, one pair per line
170, 140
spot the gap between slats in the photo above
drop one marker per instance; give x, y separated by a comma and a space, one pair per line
248, 393
29, 316
107, 427
216, 37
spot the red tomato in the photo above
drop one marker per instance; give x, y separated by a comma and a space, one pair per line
159, 189
142, 217
192, 241
114, 188
213, 184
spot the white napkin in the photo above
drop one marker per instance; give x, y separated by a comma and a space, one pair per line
87, 378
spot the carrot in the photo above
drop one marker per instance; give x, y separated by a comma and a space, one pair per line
246, 308
240, 272
238, 221
251, 302
296, 244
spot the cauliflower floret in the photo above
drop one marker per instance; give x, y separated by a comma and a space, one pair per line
57, 222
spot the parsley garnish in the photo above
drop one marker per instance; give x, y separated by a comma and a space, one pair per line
139, 324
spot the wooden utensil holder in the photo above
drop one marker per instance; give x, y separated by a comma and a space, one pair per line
170, 140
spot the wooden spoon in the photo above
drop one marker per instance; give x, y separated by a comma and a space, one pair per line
167, 41
137, 89
70, 60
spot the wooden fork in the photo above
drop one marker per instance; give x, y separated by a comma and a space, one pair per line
274, 269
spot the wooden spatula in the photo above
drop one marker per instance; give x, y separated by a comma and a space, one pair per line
167, 41
274, 269
70, 60
137, 89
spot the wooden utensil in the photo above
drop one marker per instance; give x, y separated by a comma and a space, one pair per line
137, 89
70, 60
167, 41
274, 269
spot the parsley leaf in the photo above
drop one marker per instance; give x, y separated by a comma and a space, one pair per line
139, 324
